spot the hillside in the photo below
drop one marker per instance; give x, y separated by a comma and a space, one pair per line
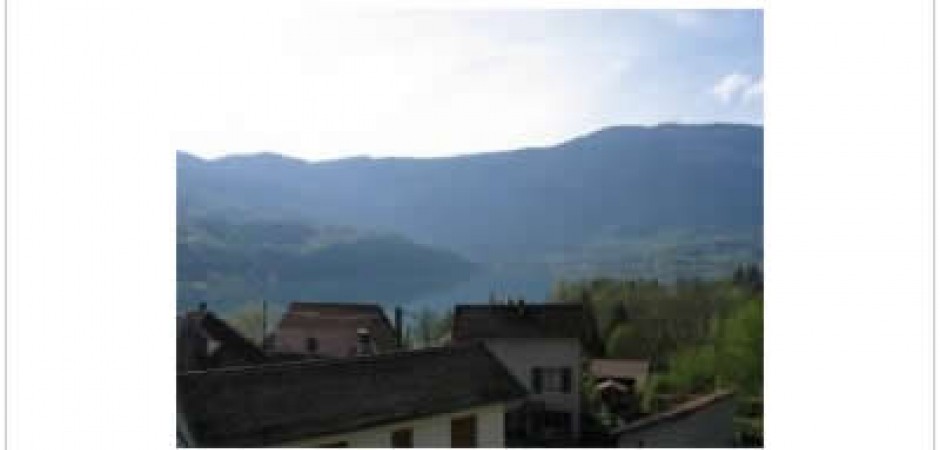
667, 201
496, 206
226, 263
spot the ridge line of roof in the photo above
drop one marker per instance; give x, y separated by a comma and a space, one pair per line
335, 361
329, 304
539, 305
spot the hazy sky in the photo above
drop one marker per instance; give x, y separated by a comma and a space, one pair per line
322, 85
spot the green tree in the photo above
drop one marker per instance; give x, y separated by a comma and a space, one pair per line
740, 347
625, 341
247, 319
431, 328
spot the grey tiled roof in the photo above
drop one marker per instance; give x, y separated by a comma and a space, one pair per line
278, 403
518, 321
676, 412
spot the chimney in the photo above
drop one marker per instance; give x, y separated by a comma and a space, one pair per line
399, 331
363, 342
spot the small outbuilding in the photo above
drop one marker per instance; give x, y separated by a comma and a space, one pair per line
626, 372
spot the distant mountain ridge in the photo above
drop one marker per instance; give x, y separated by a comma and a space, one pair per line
226, 262
500, 207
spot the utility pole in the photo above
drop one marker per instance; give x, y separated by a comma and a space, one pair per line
264, 322
399, 324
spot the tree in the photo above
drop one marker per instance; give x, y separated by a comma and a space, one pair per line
431, 328
424, 328
248, 320
625, 341
740, 347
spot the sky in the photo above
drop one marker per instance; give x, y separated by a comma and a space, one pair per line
321, 85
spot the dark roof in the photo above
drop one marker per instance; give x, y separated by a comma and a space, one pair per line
620, 368
278, 403
518, 321
196, 328
677, 412
337, 308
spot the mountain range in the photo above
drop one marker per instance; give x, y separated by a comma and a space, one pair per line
664, 201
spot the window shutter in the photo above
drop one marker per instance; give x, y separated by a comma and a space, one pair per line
402, 438
537, 380
463, 432
566, 379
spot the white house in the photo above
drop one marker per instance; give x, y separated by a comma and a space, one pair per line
540, 344
473, 427
441, 397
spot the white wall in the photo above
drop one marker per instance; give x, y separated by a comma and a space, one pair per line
521, 355
432, 431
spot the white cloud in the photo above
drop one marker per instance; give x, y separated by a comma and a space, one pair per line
323, 83
688, 18
738, 87
685, 19
754, 92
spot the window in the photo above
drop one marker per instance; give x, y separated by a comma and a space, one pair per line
402, 438
463, 432
312, 345
551, 379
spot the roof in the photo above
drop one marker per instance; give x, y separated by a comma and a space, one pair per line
677, 412
334, 308
279, 403
335, 326
620, 368
229, 347
518, 321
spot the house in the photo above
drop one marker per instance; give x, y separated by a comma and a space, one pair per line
336, 330
618, 383
703, 421
540, 344
204, 341
627, 372
440, 397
